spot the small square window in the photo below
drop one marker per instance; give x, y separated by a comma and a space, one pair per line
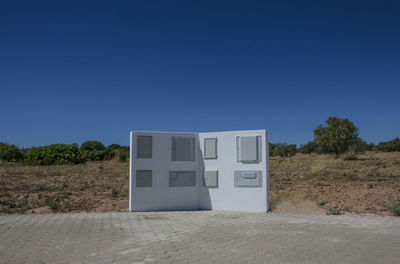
144, 147
183, 149
144, 178
210, 148
210, 179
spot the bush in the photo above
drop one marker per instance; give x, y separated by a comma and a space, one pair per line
10, 153
393, 208
282, 150
389, 146
350, 156
125, 148
308, 148
122, 154
113, 147
333, 211
56, 154
94, 150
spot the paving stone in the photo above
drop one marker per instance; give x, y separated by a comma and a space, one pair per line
198, 237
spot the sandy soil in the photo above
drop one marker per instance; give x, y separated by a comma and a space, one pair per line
320, 184
305, 184
91, 187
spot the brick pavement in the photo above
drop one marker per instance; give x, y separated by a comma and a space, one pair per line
198, 237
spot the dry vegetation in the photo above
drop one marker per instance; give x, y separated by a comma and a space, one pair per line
301, 184
322, 184
92, 187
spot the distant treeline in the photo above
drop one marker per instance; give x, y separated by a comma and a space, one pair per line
286, 150
337, 137
63, 154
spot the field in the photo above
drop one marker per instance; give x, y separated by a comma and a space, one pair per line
92, 187
309, 184
322, 184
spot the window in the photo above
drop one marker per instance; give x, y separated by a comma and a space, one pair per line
248, 149
183, 149
210, 178
144, 147
248, 178
144, 178
182, 178
210, 148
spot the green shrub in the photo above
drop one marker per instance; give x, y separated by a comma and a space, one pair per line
113, 147
308, 148
56, 154
389, 146
282, 150
10, 153
350, 156
125, 148
94, 150
122, 154
54, 205
333, 211
393, 208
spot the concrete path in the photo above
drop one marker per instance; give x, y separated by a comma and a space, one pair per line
198, 237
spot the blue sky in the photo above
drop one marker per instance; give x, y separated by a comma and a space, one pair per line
72, 71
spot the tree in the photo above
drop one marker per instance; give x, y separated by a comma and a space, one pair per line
308, 148
113, 147
10, 152
392, 145
282, 150
56, 154
337, 137
94, 150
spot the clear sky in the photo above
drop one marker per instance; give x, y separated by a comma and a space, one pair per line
72, 71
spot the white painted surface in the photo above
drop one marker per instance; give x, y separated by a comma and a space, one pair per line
161, 196
226, 197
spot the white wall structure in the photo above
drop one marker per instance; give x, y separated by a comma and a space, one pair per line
194, 171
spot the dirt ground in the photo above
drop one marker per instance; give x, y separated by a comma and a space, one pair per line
321, 184
306, 184
92, 187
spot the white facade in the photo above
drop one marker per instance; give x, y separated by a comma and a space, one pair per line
167, 174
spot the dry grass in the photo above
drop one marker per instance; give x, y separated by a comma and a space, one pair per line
362, 186
91, 187
316, 184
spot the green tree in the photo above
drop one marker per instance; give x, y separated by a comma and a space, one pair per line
337, 137
56, 154
10, 153
94, 150
271, 148
282, 150
392, 145
113, 147
308, 148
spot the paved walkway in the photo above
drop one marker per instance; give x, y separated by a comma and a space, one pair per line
198, 237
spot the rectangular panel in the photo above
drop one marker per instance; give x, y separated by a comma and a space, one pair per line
210, 148
144, 147
210, 178
248, 179
182, 178
249, 149
183, 149
144, 178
